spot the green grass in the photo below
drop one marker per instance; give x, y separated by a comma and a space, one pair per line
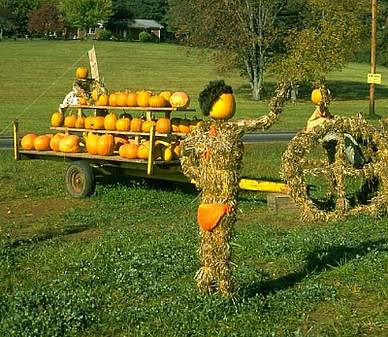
36, 75
122, 263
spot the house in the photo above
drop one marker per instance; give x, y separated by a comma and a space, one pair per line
140, 25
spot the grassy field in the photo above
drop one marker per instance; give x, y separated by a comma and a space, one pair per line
122, 263
36, 75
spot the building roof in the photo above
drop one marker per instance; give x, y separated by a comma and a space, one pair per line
145, 23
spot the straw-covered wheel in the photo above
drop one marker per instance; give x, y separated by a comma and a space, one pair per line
338, 170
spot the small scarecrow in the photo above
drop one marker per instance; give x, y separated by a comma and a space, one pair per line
211, 156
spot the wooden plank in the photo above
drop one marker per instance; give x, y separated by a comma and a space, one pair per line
281, 202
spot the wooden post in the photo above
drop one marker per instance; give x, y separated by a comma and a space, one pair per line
373, 60
15, 139
150, 163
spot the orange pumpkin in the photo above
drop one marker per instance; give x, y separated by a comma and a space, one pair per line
103, 100
175, 124
57, 119
184, 125
106, 145
132, 99
81, 72
92, 143
110, 121
69, 144
112, 99
80, 122
177, 151
143, 150
128, 151
88, 122
209, 215
146, 126
179, 99
42, 143
157, 101
163, 125
316, 96
224, 107
122, 99
143, 98
166, 95
136, 124
27, 141
97, 122
123, 124
54, 141
70, 121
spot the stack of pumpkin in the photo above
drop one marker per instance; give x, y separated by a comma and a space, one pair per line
50, 142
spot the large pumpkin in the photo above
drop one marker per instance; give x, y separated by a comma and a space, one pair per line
122, 98
113, 99
128, 151
92, 143
143, 98
98, 122
316, 96
136, 124
132, 99
110, 121
57, 119
88, 122
54, 141
179, 99
123, 124
106, 145
81, 72
69, 144
157, 101
143, 150
224, 107
27, 142
42, 143
70, 121
163, 125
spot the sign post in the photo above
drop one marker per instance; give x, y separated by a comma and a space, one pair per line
372, 61
93, 64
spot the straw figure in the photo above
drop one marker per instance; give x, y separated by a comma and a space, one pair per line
211, 156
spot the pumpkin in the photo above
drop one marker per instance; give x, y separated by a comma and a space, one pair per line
316, 96
163, 125
166, 95
131, 99
136, 124
112, 101
28, 141
121, 99
209, 215
70, 121
123, 124
106, 145
92, 143
88, 122
179, 99
224, 107
143, 98
95, 95
54, 141
146, 126
80, 122
157, 101
175, 124
103, 100
143, 150
177, 151
69, 144
110, 121
128, 151
81, 73
184, 125
97, 122
57, 119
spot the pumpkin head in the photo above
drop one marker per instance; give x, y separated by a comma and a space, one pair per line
81, 72
92, 143
70, 121
54, 141
28, 141
57, 119
224, 107
110, 121
179, 99
163, 125
132, 99
69, 144
106, 145
42, 143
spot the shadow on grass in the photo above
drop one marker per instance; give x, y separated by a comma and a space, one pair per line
318, 261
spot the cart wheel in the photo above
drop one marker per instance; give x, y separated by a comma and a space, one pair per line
80, 181
322, 180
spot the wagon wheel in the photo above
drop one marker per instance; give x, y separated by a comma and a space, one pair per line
324, 183
80, 180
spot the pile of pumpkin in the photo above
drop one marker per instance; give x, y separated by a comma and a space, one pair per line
103, 145
124, 122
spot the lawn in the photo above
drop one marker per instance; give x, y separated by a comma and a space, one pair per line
122, 262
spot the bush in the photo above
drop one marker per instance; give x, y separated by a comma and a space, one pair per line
104, 35
145, 37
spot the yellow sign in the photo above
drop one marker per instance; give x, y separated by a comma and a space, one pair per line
93, 64
374, 78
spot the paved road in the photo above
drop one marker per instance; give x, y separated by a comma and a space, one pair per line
7, 142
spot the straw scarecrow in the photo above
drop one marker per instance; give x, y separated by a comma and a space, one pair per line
212, 156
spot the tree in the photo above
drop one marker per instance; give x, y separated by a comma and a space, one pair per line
45, 19
7, 19
253, 34
121, 16
83, 14
150, 9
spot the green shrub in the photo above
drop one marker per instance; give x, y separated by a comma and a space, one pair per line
145, 37
105, 35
